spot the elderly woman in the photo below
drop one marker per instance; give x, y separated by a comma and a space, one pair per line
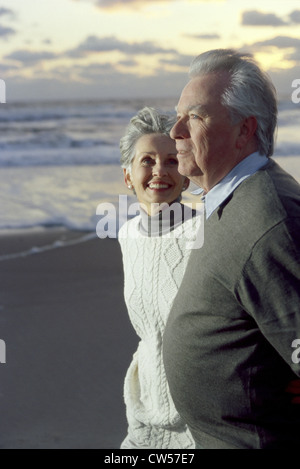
155, 255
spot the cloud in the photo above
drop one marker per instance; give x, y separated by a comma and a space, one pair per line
295, 56
94, 70
115, 4
29, 58
180, 60
105, 82
295, 16
111, 4
281, 42
289, 47
210, 36
115, 85
128, 63
283, 78
94, 44
7, 68
256, 18
5, 31
6, 12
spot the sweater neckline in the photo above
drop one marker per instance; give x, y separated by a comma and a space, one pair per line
166, 220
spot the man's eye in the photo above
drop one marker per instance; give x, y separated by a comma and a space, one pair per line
194, 116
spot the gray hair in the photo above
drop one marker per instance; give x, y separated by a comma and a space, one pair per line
250, 91
147, 121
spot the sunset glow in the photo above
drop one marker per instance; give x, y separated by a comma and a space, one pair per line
113, 48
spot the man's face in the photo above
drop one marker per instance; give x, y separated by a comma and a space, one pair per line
205, 138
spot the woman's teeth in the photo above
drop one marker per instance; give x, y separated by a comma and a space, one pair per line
158, 186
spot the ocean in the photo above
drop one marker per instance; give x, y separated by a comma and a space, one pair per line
60, 160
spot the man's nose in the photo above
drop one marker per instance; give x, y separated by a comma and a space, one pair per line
179, 130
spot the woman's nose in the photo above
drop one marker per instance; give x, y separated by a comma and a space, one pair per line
160, 170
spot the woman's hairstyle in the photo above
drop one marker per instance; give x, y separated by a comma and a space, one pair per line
147, 121
250, 91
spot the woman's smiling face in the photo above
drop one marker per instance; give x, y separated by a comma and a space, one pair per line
154, 171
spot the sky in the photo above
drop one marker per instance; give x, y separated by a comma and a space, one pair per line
96, 49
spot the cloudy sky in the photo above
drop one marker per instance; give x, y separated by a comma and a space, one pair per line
121, 48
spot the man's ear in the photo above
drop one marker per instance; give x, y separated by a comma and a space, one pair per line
127, 178
247, 131
186, 184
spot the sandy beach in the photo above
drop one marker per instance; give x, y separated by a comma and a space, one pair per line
68, 343
68, 338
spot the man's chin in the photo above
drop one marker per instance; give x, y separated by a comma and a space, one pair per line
183, 170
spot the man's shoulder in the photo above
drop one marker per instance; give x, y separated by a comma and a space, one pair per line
273, 193
282, 181
267, 199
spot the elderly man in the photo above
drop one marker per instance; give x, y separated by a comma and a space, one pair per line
228, 343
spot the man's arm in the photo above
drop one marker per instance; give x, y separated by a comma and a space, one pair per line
269, 289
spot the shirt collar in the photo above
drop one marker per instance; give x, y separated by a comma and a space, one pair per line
248, 166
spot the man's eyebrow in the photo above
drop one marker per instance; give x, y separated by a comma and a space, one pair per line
200, 108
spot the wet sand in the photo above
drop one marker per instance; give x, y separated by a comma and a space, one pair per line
68, 343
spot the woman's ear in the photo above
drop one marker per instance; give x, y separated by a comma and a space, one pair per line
127, 178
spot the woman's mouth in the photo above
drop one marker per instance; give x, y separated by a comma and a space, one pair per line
158, 186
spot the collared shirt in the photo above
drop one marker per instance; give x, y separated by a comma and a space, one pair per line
248, 166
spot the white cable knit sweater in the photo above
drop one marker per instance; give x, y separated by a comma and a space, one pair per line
153, 271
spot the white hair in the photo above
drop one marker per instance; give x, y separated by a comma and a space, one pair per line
147, 121
250, 91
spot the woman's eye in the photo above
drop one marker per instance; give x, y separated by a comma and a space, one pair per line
173, 161
147, 161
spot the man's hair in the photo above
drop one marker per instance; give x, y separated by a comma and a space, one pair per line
250, 91
147, 121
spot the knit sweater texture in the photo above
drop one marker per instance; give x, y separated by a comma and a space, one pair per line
153, 271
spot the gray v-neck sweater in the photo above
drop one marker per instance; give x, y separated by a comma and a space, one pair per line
228, 341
